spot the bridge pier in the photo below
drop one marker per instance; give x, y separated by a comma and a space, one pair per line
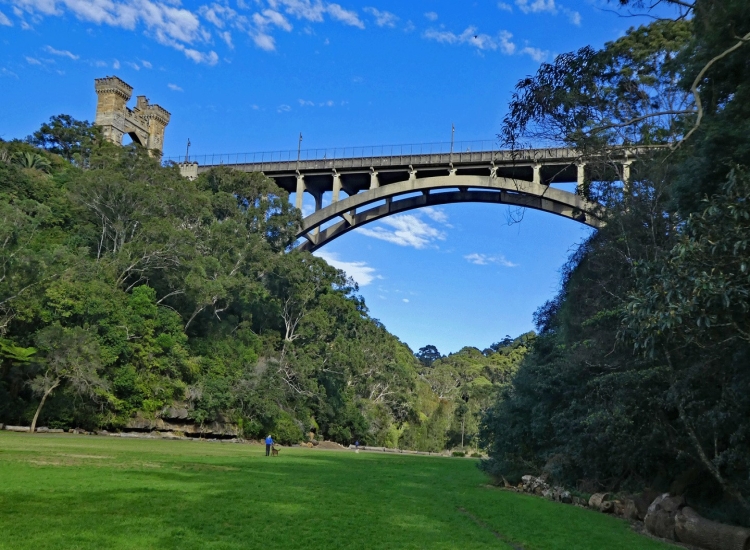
537, 179
374, 180
581, 177
336, 186
626, 175
300, 193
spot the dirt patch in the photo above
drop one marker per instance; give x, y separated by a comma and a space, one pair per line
329, 445
483, 525
205, 467
86, 456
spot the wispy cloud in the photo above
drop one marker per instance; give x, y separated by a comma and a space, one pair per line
283, 108
405, 230
61, 53
501, 41
505, 7
32, 61
382, 18
146, 64
347, 17
548, 6
535, 53
436, 214
174, 87
487, 259
4, 21
164, 21
431, 16
362, 273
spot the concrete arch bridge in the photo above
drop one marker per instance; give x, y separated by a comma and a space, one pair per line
371, 184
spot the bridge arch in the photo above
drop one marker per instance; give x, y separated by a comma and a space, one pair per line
353, 211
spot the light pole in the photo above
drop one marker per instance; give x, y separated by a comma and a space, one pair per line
299, 148
453, 133
187, 152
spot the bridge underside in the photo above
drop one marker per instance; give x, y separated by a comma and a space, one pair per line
368, 188
417, 193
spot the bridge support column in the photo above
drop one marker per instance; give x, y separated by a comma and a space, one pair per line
537, 173
626, 174
581, 178
336, 186
374, 180
300, 195
412, 174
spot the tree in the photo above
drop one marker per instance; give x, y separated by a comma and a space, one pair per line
65, 136
69, 356
428, 355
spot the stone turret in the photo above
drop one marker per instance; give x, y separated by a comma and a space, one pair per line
145, 123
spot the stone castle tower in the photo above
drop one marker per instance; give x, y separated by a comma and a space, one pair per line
145, 123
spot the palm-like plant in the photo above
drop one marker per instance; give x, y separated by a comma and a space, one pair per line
32, 160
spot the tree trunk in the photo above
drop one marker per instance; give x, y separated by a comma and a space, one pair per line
41, 404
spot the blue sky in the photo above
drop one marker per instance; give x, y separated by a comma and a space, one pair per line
251, 75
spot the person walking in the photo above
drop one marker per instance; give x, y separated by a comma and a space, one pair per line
269, 444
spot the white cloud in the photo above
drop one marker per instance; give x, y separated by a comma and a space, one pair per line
133, 66
485, 259
174, 87
165, 21
347, 17
405, 300
283, 109
116, 64
9, 74
431, 15
435, 214
501, 41
4, 21
362, 274
32, 61
405, 230
306, 103
264, 41
382, 18
535, 53
505, 7
573, 16
548, 6
537, 6
61, 53
146, 64
268, 18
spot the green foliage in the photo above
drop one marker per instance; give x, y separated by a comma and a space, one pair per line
188, 296
639, 374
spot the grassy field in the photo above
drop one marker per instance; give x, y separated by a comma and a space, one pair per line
66, 491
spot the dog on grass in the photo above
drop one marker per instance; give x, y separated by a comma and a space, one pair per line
274, 451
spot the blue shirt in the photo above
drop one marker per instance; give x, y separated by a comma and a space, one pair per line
269, 440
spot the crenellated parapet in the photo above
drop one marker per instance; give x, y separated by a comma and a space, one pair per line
145, 123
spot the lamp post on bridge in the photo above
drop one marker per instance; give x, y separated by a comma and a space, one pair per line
299, 148
187, 152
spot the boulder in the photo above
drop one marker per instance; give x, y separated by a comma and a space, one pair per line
607, 507
597, 499
629, 511
691, 528
566, 498
660, 519
17, 428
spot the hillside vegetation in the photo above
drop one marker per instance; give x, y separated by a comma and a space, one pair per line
639, 374
130, 294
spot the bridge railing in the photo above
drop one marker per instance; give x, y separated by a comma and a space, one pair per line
337, 153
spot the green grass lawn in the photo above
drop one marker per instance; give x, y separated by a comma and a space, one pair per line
66, 491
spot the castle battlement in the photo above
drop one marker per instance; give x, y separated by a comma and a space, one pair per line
145, 123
